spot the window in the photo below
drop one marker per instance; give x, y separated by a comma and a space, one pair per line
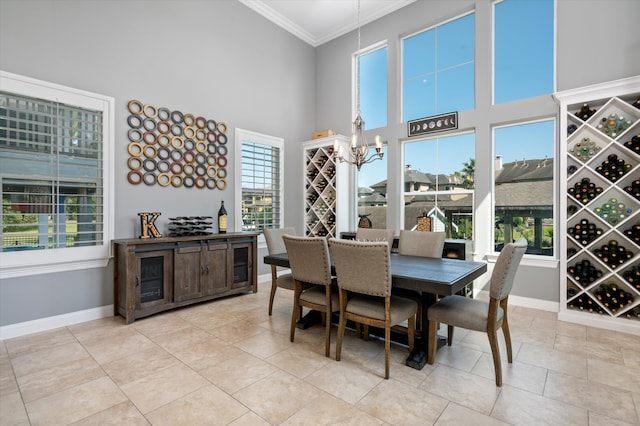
524, 182
372, 191
523, 49
438, 69
56, 145
438, 184
373, 87
260, 166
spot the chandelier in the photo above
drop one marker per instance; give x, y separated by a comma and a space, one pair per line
358, 152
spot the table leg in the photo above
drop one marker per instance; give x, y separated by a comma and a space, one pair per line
418, 358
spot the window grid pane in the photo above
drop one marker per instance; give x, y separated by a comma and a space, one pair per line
260, 186
438, 69
51, 162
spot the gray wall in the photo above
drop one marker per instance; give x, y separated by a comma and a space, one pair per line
221, 60
218, 59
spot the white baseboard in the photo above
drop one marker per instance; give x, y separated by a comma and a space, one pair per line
44, 324
526, 302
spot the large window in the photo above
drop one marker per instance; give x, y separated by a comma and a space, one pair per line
523, 185
372, 192
259, 168
55, 159
438, 69
373, 87
523, 49
439, 178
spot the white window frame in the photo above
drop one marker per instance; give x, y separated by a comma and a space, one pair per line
355, 93
274, 141
402, 53
33, 262
541, 260
403, 193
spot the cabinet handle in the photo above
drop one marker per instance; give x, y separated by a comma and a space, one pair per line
207, 269
137, 280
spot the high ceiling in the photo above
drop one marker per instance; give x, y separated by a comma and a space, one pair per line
319, 21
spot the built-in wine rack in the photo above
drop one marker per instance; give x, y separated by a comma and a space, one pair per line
326, 188
600, 205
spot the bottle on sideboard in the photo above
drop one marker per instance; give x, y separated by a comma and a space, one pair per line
222, 219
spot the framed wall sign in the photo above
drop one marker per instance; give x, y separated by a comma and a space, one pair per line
433, 124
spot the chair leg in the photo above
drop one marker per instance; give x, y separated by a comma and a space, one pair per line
387, 349
433, 337
411, 332
274, 287
506, 332
449, 335
327, 333
295, 315
342, 323
495, 351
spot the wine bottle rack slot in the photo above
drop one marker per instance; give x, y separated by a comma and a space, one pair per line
600, 147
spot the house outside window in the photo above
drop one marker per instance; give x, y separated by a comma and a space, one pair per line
438, 184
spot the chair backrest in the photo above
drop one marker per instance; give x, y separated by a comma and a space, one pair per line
273, 237
505, 269
424, 244
369, 234
362, 266
309, 259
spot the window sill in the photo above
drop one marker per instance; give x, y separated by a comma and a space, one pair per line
17, 265
529, 260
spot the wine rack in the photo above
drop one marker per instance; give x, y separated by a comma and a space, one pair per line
600, 205
327, 187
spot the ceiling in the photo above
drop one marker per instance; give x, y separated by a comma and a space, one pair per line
319, 21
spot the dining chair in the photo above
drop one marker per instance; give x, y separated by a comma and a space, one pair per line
423, 244
369, 234
313, 283
478, 315
364, 281
275, 245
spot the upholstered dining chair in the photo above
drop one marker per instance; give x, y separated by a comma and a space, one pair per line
275, 245
423, 244
370, 234
311, 265
364, 279
473, 314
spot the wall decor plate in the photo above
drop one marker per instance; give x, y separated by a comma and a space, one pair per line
175, 149
150, 111
135, 135
164, 114
134, 121
135, 107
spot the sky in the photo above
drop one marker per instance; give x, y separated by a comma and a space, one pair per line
438, 71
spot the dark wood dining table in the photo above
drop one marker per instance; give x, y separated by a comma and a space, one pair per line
430, 277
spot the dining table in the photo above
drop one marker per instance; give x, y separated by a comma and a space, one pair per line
429, 277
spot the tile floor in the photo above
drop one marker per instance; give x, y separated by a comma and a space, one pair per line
229, 363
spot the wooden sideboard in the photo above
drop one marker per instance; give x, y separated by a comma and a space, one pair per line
157, 274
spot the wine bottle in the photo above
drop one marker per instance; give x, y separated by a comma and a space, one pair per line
222, 219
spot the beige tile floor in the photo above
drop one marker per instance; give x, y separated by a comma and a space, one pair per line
228, 363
